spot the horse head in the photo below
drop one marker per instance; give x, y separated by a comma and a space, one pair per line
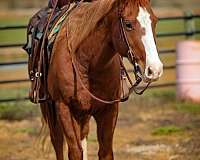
134, 36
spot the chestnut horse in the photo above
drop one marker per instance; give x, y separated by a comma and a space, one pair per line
86, 61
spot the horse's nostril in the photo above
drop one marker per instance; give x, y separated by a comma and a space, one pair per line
153, 73
150, 72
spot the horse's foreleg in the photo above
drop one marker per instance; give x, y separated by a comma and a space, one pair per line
71, 130
106, 122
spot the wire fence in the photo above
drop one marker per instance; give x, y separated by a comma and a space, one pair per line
190, 31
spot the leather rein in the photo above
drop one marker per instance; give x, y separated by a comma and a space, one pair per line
137, 71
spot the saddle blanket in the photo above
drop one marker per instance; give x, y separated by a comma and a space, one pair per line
37, 26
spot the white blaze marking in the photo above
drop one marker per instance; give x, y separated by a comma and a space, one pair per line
152, 58
84, 146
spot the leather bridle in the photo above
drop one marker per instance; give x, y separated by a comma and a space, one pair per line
132, 59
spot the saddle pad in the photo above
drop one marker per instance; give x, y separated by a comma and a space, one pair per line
55, 28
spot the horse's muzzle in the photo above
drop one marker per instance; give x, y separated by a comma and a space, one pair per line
153, 72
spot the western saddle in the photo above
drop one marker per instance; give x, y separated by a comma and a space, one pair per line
42, 30
41, 34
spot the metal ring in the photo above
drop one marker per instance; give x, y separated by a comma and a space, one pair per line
38, 74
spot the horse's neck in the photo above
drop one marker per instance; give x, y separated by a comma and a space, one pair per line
97, 49
103, 56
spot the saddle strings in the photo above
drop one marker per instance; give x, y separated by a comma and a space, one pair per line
38, 74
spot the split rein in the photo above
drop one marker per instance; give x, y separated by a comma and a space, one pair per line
132, 59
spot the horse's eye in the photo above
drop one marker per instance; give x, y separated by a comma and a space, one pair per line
128, 25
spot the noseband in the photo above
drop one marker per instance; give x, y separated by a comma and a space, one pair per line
132, 59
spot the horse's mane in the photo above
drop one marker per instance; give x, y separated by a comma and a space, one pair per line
83, 19
142, 2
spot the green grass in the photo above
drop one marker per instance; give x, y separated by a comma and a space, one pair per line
19, 56
18, 92
197, 24
28, 130
13, 36
154, 98
167, 130
166, 97
167, 25
165, 94
171, 26
18, 110
14, 20
188, 107
174, 26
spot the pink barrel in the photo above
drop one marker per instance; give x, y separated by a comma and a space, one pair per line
188, 70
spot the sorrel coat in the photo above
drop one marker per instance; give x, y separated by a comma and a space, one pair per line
94, 44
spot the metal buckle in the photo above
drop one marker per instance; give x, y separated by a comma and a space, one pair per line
38, 74
34, 75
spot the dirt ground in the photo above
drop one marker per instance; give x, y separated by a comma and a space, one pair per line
136, 137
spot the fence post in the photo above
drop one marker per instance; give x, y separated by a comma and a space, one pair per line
189, 24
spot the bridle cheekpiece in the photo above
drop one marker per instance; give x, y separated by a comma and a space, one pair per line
132, 59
